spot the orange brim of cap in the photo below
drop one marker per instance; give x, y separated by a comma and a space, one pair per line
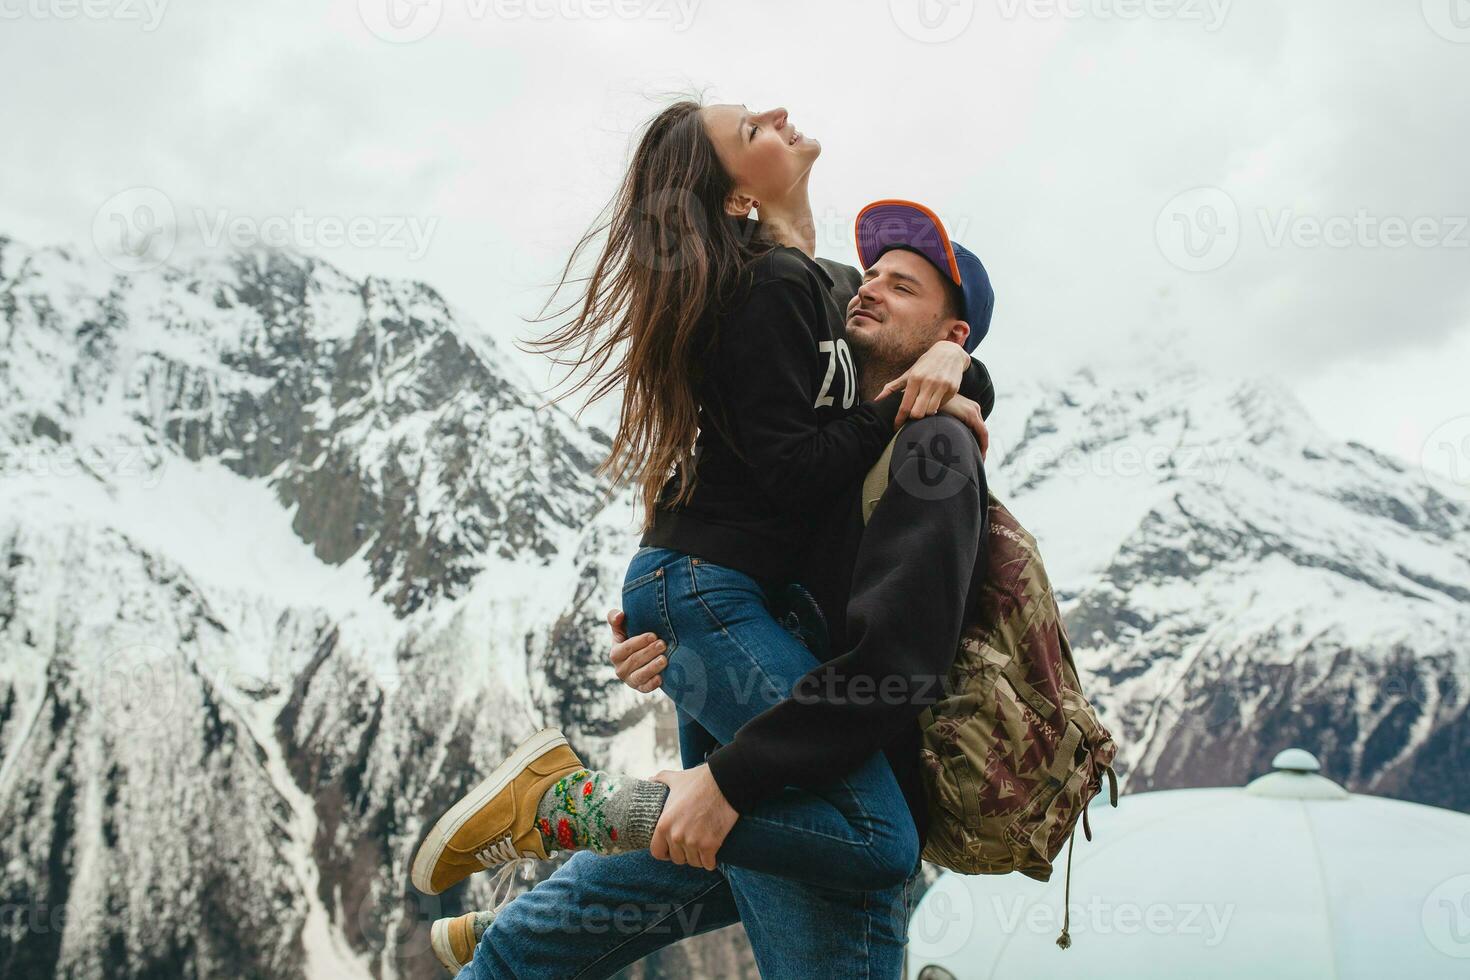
894, 221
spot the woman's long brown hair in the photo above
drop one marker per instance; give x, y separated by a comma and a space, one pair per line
671, 255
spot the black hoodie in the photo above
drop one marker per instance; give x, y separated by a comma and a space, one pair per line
782, 432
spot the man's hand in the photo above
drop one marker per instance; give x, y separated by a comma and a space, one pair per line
639, 661
696, 818
933, 380
968, 412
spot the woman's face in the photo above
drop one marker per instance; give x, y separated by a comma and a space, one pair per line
766, 156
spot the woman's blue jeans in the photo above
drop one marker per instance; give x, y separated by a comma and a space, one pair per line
729, 660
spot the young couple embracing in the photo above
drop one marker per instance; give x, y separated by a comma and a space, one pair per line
799, 629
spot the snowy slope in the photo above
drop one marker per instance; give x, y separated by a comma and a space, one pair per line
290, 558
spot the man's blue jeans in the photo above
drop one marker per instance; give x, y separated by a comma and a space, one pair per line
822, 879
596, 915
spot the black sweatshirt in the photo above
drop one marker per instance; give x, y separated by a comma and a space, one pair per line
915, 571
778, 378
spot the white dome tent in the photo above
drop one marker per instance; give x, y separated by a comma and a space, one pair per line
1290, 876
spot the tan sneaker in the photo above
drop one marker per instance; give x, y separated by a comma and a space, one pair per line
453, 941
496, 821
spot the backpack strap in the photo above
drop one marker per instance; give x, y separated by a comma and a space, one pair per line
876, 482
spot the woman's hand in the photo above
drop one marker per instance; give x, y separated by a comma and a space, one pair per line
968, 412
695, 821
639, 662
932, 381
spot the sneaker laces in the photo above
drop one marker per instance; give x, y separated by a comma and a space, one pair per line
502, 884
498, 853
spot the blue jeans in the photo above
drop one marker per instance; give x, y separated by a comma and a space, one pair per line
729, 660
596, 915
823, 880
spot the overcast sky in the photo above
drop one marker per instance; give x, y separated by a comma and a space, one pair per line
1280, 186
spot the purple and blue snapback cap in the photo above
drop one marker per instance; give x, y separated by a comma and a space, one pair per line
892, 223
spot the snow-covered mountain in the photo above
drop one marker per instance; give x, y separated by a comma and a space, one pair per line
1236, 582
289, 558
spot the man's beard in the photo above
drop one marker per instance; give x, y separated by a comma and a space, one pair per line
868, 358
881, 356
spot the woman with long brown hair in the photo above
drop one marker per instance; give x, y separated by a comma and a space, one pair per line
740, 423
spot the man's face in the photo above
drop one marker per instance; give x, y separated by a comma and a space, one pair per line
899, 312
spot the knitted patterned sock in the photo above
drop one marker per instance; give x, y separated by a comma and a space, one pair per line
482, 922
600, 811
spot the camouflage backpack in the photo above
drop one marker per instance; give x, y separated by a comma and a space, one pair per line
1012, 753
